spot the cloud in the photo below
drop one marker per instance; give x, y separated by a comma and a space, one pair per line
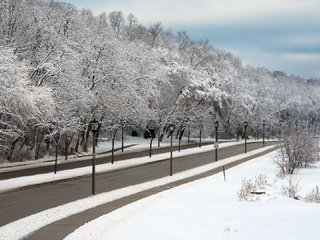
172, 12
278, 34
301, 64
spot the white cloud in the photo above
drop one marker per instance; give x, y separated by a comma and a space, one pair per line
213, 11
301, 57
302, 64
299, 40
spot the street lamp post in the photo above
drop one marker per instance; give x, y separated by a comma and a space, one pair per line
309, 127
200, 136
94, 128
280, 122
245, 136
296, 126
216, 125
122, 137
263, 130
171, 128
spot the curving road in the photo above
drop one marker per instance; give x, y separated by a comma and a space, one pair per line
22, 203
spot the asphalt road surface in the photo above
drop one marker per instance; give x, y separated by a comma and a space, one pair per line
119, 156
22, 203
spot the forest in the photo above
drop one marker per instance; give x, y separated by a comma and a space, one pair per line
62, 67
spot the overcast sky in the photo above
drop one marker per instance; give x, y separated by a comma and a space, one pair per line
277, 34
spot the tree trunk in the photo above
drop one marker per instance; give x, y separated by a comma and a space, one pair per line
67, 145
76, 147
37, 144
13, 145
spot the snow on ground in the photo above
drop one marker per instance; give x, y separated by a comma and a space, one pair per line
21, 228
210, 209
15, 183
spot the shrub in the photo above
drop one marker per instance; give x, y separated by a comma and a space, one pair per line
299, 150
314, 196
291, 189
250, 186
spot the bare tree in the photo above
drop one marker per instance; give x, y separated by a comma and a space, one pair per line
155, 29
299, 150
117, 22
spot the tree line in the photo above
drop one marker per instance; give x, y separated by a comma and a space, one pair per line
61, 67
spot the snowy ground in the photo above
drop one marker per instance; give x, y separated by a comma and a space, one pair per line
21, 228
210, 209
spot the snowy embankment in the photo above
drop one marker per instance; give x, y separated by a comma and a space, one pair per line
20, 182
21, 228
210, 209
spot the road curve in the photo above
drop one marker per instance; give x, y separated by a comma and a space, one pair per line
22, 203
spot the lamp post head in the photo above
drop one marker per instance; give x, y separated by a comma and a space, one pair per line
245, 124
264, 122
171, 128
280, 122
296, 122
216, 124
94, 124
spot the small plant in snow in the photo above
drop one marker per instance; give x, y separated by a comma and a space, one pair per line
249, 187
261, 181
291, 188
314, 196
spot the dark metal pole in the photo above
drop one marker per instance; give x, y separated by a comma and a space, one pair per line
200, 137
122, 141
150, 151
188, 136
216, 150
93, 164
56, 160
245, 142
245, 137
280, 127
112, 156
263, 134
171, 156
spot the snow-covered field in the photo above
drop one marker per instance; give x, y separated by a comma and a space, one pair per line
210, 209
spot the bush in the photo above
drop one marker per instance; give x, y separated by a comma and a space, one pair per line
299, 150
291, 189
246, 188
261, 181
250, 186
314, 196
